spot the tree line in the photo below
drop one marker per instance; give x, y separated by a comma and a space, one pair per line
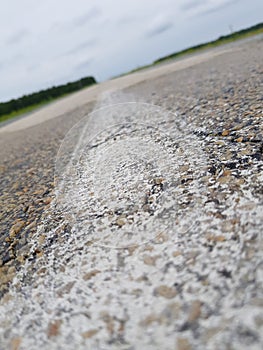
44, 95
222, 38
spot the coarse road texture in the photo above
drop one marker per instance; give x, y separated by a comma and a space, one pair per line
152, 237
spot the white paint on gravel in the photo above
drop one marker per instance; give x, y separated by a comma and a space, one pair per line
83, 293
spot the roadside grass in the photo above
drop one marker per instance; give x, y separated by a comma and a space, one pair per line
199, 48
212, 44
243, 34
22, 111
31, 108
29, 103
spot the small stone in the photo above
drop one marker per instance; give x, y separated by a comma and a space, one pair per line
247, 206
224, 179
30, 171
89, 334
239, 139
6, 298
137, 292
16, 228
220, 143
47, 200
165, 292
225, 133
39, 253
170, 312
21, 259
30, 209
257, 302
149, 320
177, 253
184, 168
54, 328
158, 181
148, 248
151, 199
109, 320
11, 270
121, 222
90, 274
258, 319
150, 260
132, 249
15, 186
15, 343
41, 239
183, 344
146, 207
210, 333
2, 169
42, 271
218, 238
195, 311
227, 172
240, 182
161, 238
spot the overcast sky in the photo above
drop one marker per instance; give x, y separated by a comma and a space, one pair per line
46, 43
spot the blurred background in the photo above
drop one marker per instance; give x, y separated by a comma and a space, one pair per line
53, 42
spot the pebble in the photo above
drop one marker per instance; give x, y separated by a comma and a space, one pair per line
121, 222
54, 328
16, 228
165, 291
150, 260
47, 200
90, 274
15, 343
89, 334
195, 311
183, 344
225, 133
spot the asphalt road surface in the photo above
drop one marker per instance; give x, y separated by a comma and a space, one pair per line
131, 212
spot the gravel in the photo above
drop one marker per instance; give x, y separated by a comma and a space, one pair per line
184, 178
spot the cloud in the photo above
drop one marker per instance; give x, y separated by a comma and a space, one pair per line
203, 7
81, 47
219, 6
74, 23
159, 26
189, 5
127, 19
87, 17
83, 65
11, 61
17, 37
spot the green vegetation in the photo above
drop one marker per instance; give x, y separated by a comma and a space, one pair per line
244, 33
22, 111
35, 100
32, 101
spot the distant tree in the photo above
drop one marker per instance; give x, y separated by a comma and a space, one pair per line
44, 95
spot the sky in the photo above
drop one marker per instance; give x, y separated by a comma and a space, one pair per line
47, 43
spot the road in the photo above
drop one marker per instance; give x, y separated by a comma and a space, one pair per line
131, 212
